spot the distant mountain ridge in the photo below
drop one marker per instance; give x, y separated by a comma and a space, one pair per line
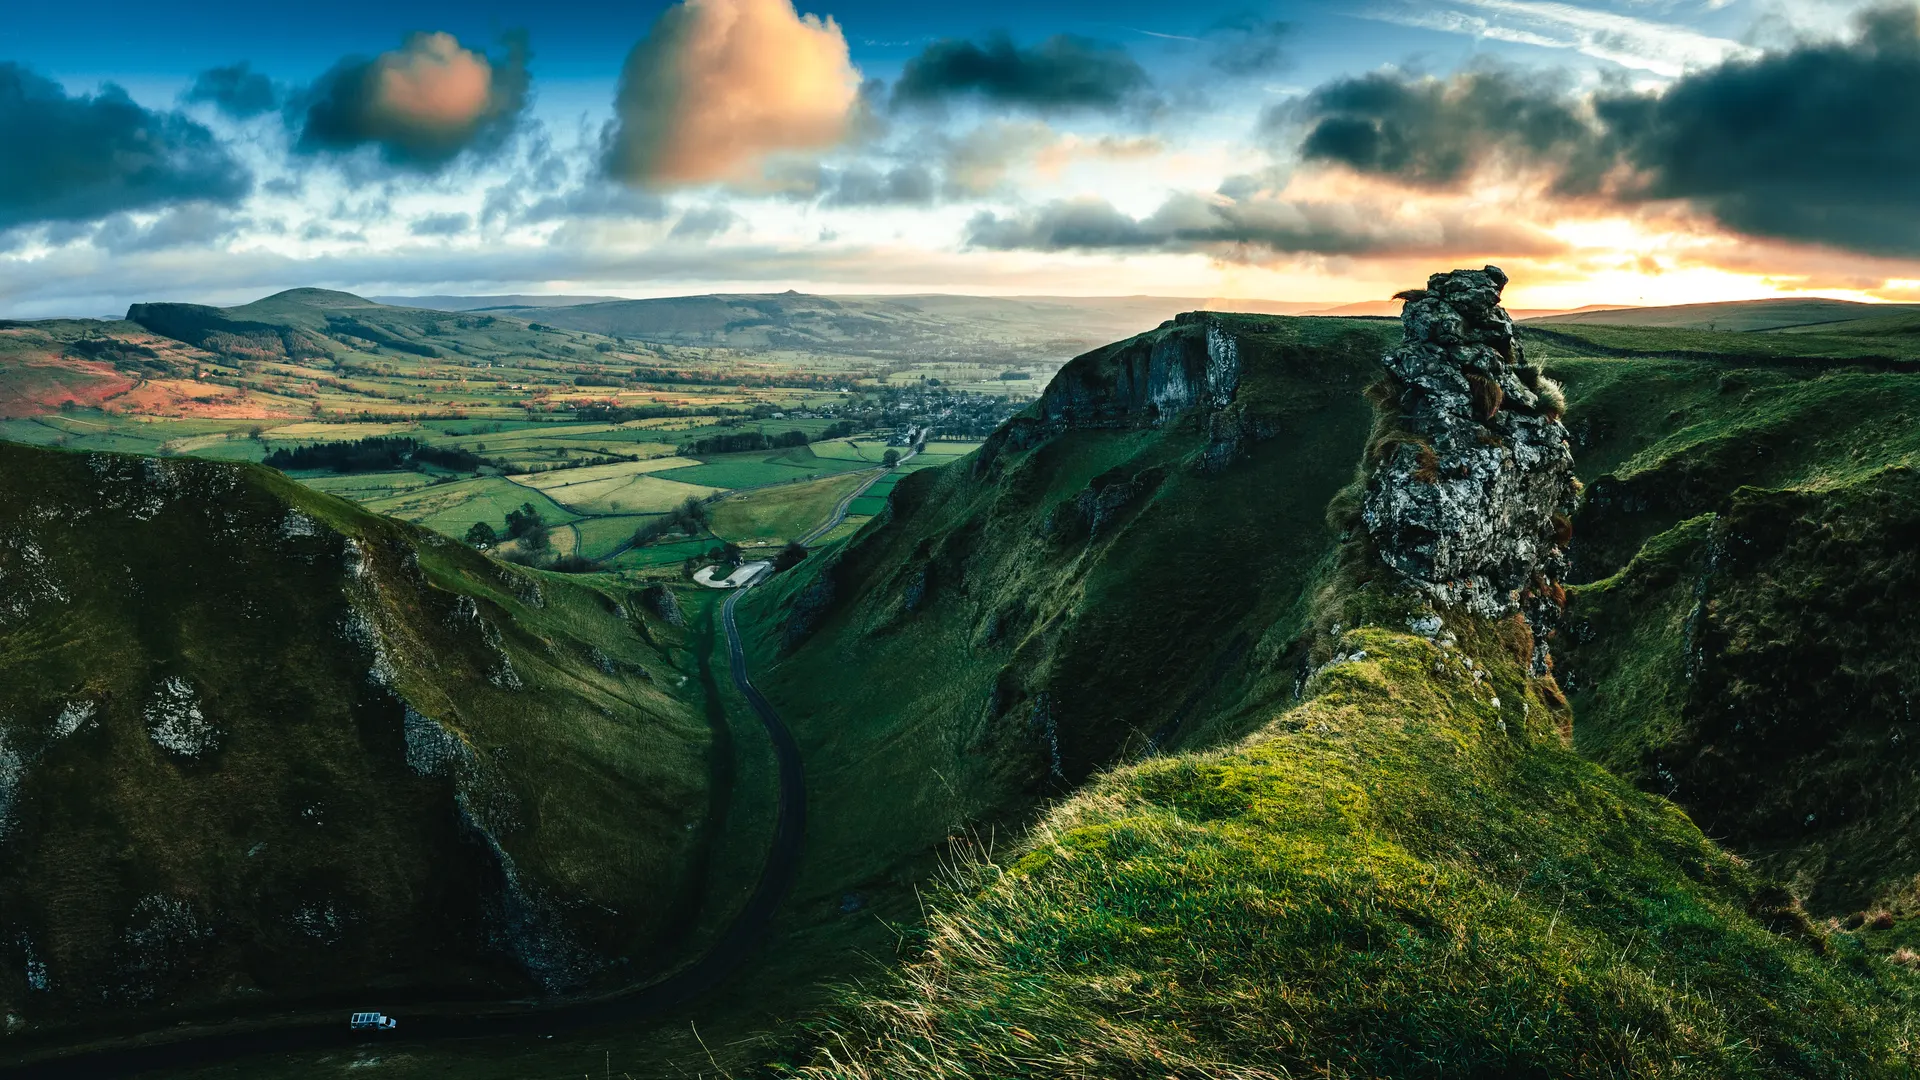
482, 303
955, 328
1789, 313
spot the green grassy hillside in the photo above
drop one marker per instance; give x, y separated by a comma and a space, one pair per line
1746, 641
259, 748
1296, 829
1407, 875
1404, 870
1016, 620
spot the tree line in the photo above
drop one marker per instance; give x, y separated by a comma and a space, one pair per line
381, 453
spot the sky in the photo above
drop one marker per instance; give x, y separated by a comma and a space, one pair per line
1325, 151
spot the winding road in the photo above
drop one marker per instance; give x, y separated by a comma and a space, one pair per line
182, 1047
840, 512
191, 1046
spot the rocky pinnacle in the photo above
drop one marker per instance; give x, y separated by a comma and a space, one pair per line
1470, 495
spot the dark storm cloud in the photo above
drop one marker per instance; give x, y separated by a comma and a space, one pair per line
84, 157
1250, 230
1819, 143
1816, 143
239, 91
1062, 72
423, 104
1435, 133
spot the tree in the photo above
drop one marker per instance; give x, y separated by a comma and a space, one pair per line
890, 458
482, 536
790, 556
525, 520
527, 526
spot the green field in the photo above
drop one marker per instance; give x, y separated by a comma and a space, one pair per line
657, 555
566, 491
625, 488
535, 402
782, 513
361, 487
453, 508
599, 537
874, 499
761, 468
867, 450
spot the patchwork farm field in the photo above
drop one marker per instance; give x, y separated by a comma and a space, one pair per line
633, 452
453, 508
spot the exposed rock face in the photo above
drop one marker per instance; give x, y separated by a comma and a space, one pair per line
1468, 500
665, 604
1195, 361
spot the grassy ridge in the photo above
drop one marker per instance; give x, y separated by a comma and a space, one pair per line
265, 747
1407, 875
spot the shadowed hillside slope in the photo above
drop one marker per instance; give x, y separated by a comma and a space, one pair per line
1746, 641
260, 747
1110, 573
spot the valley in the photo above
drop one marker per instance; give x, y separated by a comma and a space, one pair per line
601, 436
1255, 696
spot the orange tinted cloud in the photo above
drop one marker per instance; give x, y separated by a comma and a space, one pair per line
422, 104
720, 85
433, 82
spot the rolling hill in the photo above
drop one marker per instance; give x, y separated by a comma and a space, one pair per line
481, 303
962, 328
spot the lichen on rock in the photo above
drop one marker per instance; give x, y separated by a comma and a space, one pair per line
1471, 490
175, 722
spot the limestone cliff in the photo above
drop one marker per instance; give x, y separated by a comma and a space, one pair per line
1470, 495
1192, 360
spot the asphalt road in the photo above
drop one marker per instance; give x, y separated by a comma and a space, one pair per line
174, 1048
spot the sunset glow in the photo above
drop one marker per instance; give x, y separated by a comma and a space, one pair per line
1309, 153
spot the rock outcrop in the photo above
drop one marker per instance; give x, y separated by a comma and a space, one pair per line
1469, 496
1190, 361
